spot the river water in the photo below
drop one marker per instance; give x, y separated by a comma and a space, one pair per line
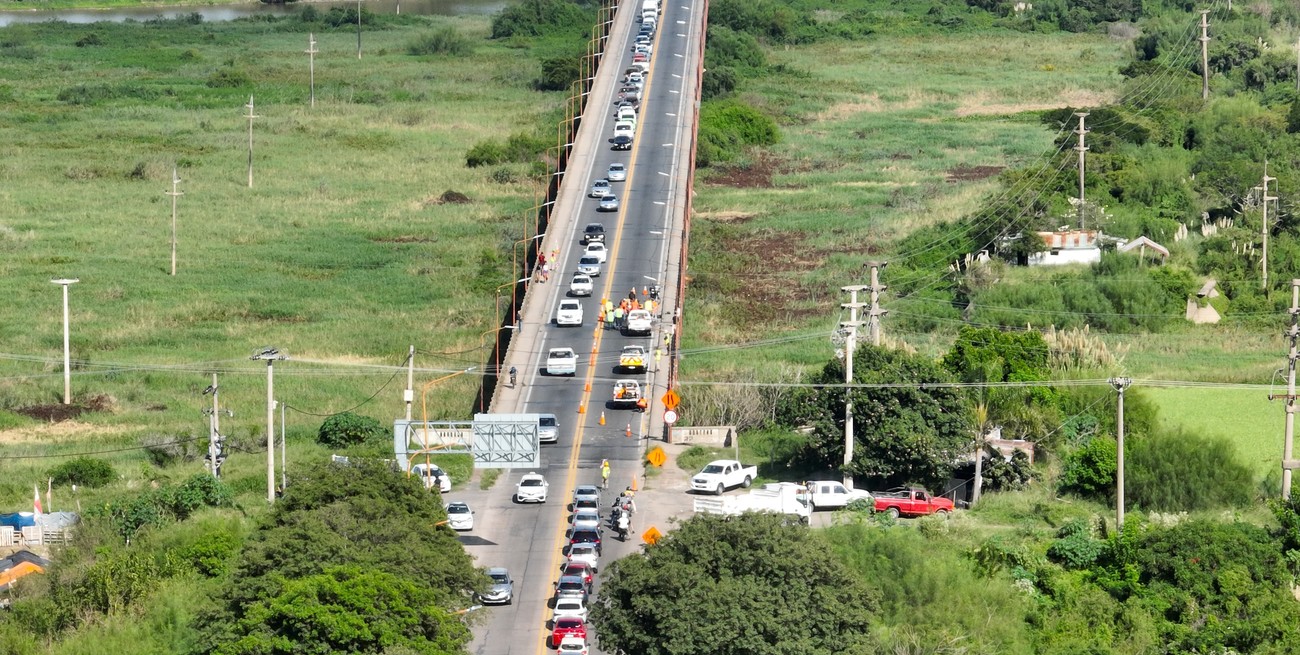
219, 13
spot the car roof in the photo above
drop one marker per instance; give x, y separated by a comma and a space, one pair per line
589, 259
596, 227
570, 622
572, 579
586, 488
613, 166
498, 570
559, 351
566, 303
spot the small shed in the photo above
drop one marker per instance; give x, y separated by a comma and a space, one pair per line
1068, 247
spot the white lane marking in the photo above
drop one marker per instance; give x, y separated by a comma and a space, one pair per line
661, 172
677, 76
681, 22
676, 55
681, 35
671, 114
673, 91
667, 145
658, 202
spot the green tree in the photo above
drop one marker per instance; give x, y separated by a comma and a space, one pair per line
747, 585
348, 610
84, 471
348, 429
1090, 470
362, 515
910, 433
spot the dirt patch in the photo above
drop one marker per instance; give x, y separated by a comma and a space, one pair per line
757, 175
734, 217
973, 173
59, 432
981, 105
51, 413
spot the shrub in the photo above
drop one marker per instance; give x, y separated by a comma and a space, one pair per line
210, 556
445, 40
85, 471
539, 18
559, 73
164, 450
486, 153
90, 39
1180, 471
727, 127
348, 429
694, 458
1075, 548
1090, 470
229, 78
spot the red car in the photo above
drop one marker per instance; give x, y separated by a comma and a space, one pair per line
580, 569
567, 626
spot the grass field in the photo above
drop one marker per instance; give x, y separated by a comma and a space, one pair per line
341, 254
1243, 416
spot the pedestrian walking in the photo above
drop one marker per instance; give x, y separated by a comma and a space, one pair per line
546, 272
609, 320
618, 318
555, 254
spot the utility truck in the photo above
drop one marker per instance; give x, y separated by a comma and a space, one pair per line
722, 474
776, 498
632, 358
639, 322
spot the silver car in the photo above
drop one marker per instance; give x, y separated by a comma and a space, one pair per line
502, 591
589, 266
608, 204
571, 586
587, 492
599, 189
616, 173
585, 519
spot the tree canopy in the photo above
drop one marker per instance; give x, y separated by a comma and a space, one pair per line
308, 557
745, 585
902, 434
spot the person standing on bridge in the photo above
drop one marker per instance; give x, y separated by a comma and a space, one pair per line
604, 473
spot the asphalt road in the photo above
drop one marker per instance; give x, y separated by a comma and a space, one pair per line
528, 540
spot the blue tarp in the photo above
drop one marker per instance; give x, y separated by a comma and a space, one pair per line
18, 520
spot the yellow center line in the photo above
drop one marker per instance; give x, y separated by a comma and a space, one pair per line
570, 480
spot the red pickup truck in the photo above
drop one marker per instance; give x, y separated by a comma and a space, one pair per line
911, 502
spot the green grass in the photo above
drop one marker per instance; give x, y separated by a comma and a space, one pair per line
340, 255
1243, 416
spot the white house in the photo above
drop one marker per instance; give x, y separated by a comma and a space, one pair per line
1068, 247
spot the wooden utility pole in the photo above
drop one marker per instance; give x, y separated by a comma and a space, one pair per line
850, 345
1264, 228
1120, 385
1288, 463
271, 355
358, 29
250, 117
875, 313
1081, 131
311, 65
174, 193
1205, 54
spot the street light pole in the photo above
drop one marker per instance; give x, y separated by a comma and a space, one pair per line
271, 355
67, 351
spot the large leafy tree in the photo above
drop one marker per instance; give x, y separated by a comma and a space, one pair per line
745, 585
904, 430
364, 516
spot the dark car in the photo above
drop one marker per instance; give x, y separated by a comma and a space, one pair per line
622, 142
593, 233
585, 536
571, 586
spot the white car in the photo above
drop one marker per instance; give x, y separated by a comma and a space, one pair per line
569, 313
532, 489
589, 266
572, 646
599, 189
618, 172
624, 128
431, 474
580, 285
548, 428
571, 607
460, 516
561, 361
585, 519
639, 321
585, 553
598, 251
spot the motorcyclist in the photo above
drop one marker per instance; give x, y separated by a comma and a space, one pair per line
624, 524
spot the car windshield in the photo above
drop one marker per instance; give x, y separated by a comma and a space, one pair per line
457, 509
500, 578
549, 421
587, 260
531, 483
713, 468
568, 622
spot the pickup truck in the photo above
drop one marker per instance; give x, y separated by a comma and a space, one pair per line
561, 361
632, 358
911, 502
722, 474
639, 321
626, 392
777, 498
829, 494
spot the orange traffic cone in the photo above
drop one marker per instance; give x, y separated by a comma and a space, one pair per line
634, 483
586, 387
645, 291
629, 430
582, 409
602, 418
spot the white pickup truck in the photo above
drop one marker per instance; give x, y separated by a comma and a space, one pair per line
778, 498
828, 494
639, 321
719, 475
